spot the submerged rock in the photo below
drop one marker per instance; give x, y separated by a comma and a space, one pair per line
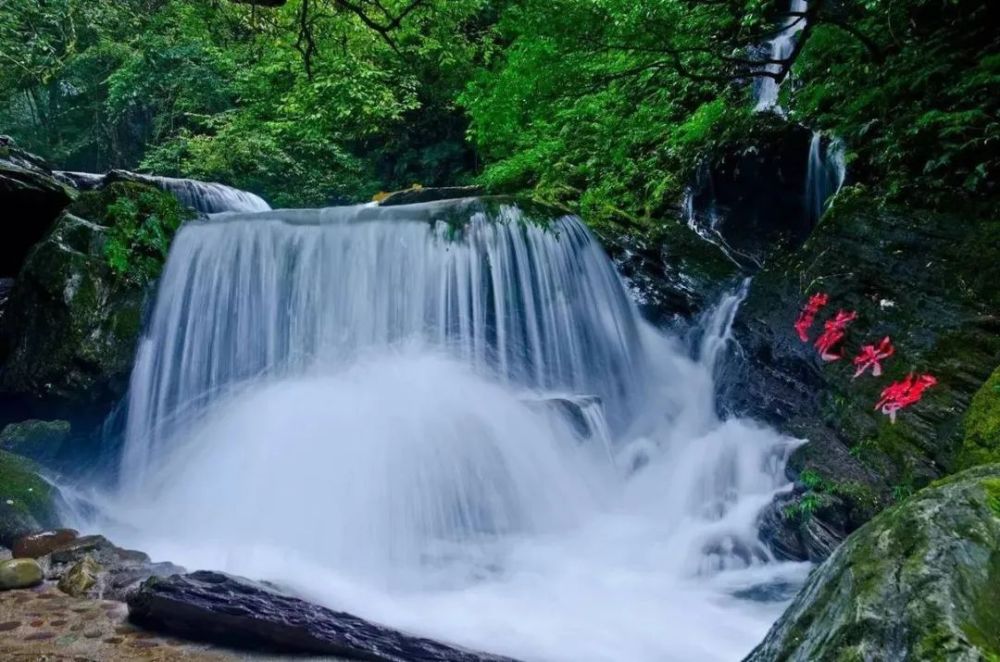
925, 279
221, 608
919, 582
19, 573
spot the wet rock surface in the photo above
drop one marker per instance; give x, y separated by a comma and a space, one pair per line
429, 194
221, 608
117, 572
43, 623
39, 544
921, 581
927, 280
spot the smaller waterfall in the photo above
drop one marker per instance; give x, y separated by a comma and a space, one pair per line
825, 174
205, 197
766, 88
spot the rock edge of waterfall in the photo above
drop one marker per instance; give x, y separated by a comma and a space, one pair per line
920, 581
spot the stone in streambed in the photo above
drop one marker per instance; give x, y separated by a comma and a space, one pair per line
215, 607
80, 578
36, 545
20, 573
120, 571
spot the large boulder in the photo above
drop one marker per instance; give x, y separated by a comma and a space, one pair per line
230, 610
27, 502
919, 582
925, 279
31, 197
72, 322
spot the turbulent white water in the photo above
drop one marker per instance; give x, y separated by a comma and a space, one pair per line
358, 403
766, 88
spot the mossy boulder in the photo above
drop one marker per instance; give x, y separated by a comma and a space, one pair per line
20, 573
72, 322
926, 279
982, 426
921, 581
33, 438
27, 502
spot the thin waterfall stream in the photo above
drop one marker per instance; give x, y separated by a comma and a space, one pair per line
451, 419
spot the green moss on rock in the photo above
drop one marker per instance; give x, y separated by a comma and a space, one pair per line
921, 581
34, 438
26, 500
981, 444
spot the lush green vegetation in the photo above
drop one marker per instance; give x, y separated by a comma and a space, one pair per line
141, 222
605, 103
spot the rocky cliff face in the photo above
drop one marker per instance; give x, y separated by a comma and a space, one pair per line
928, 281
919, 582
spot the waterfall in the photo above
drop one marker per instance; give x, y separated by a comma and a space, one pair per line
205, 197
450, 418
825, 174
766, 89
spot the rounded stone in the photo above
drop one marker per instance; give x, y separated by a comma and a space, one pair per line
20, 573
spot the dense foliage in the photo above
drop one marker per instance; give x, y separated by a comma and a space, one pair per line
606, 103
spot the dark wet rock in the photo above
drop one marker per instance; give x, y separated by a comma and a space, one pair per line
81, 578
27, 502
221, 608
31, 198
39, 544
925, 279
751, 197
420, 194
119, 571
71, 328
33, 438
669, 270
921, 581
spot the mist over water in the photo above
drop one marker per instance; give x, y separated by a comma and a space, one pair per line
369, 406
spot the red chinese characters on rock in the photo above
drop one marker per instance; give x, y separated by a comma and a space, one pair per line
808, 314
833, 333
871, 356
904, 393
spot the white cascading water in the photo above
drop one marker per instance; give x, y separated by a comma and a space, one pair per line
766, 88
357, 403
825, 173
205, 197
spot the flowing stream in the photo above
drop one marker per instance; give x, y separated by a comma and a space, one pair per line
449, 418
